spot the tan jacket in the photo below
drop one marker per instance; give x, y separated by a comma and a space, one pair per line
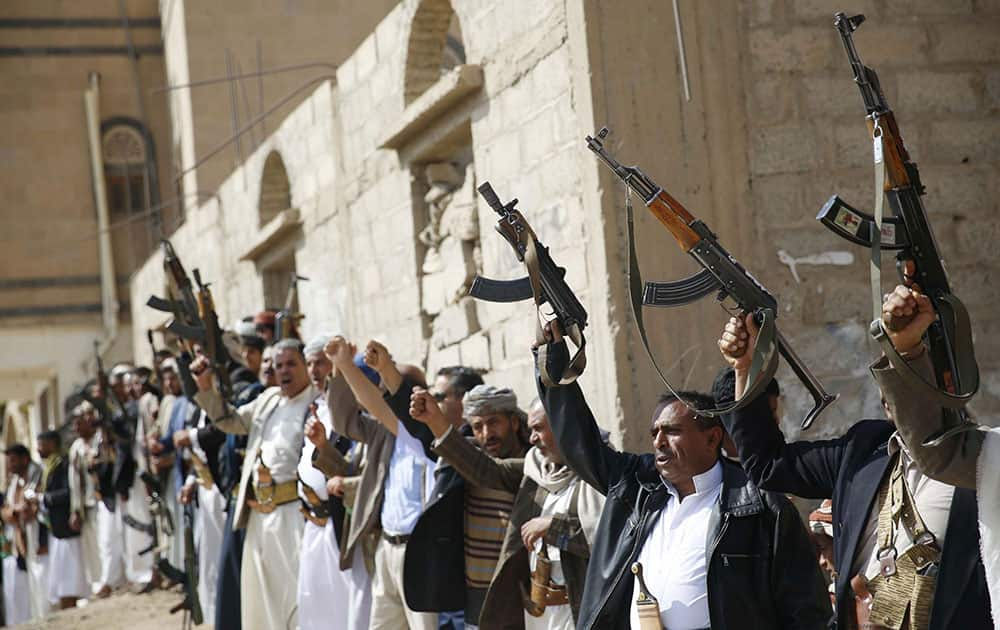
917, 416
349, 421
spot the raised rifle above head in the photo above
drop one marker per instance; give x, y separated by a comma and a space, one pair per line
720, 274
908, 233
545, 283
286, 321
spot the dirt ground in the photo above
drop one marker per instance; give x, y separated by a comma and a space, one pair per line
120, 611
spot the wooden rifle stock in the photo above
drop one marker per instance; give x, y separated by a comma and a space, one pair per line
675, 218
894, 152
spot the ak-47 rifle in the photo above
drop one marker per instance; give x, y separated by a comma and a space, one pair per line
194, 320
908, 233
211, 340
286, 322
545, 282
720, 274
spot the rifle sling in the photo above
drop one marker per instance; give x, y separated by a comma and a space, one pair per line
765, 357
963, 355
579, 360
948, 305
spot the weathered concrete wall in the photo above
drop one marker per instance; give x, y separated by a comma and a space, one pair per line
362, 205
773, 127
807, 140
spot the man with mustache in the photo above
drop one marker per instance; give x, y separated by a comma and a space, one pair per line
554, 515
267, 503
714, 549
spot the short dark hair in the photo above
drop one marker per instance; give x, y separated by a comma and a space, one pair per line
695, 400
461, 378
18, 449
51, 436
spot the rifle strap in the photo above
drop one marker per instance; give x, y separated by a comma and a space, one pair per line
579, 360
764, 362
963, 354
951, 310
876, 234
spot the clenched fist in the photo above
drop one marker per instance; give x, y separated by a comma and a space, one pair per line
340, 351
906, 314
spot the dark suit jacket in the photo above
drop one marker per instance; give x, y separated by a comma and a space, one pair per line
57, 501
849, 469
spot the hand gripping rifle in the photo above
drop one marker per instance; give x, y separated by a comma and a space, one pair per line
908, 233
545, 282
720, 273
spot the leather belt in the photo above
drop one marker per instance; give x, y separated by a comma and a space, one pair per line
318, 515
401, 539
270, 496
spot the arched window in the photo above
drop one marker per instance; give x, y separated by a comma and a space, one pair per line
129, 167
275, 191
434, 47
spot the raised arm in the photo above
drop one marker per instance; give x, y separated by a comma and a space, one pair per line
472, 463
341, 354
222, 414
806, 469
580, 440
906, 314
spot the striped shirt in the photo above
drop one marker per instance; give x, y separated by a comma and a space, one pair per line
487, 513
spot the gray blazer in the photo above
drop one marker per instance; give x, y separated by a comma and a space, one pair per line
348, 420
917, 416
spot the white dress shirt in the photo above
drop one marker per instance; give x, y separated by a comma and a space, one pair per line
933, 500
673, 555
408, 485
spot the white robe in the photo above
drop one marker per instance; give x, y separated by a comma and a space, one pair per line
110, 543
988, 492
270, 569
210, 522
327, 597
37, 573
138, 568
68, 578
16, 601
83, 500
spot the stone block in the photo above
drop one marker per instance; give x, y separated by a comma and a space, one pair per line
787, 149
438, 358
956, 192
929, 7
832, 94
992, 82
977, 243
454, 323
967, 41
799, 49
475, 351
813, 11
962, 141
936, 92
852, 146
888, 45
772, 100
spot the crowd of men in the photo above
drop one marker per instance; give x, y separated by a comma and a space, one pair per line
338, 488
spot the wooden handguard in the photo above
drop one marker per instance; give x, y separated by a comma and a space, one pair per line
675, 218
895, 154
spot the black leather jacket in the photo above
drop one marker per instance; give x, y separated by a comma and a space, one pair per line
762, 570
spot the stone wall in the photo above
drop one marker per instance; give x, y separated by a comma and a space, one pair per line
774, 126
937, 63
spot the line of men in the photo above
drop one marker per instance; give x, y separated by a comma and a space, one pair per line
368, 498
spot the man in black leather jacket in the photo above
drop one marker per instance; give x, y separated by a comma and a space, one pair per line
759, 569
